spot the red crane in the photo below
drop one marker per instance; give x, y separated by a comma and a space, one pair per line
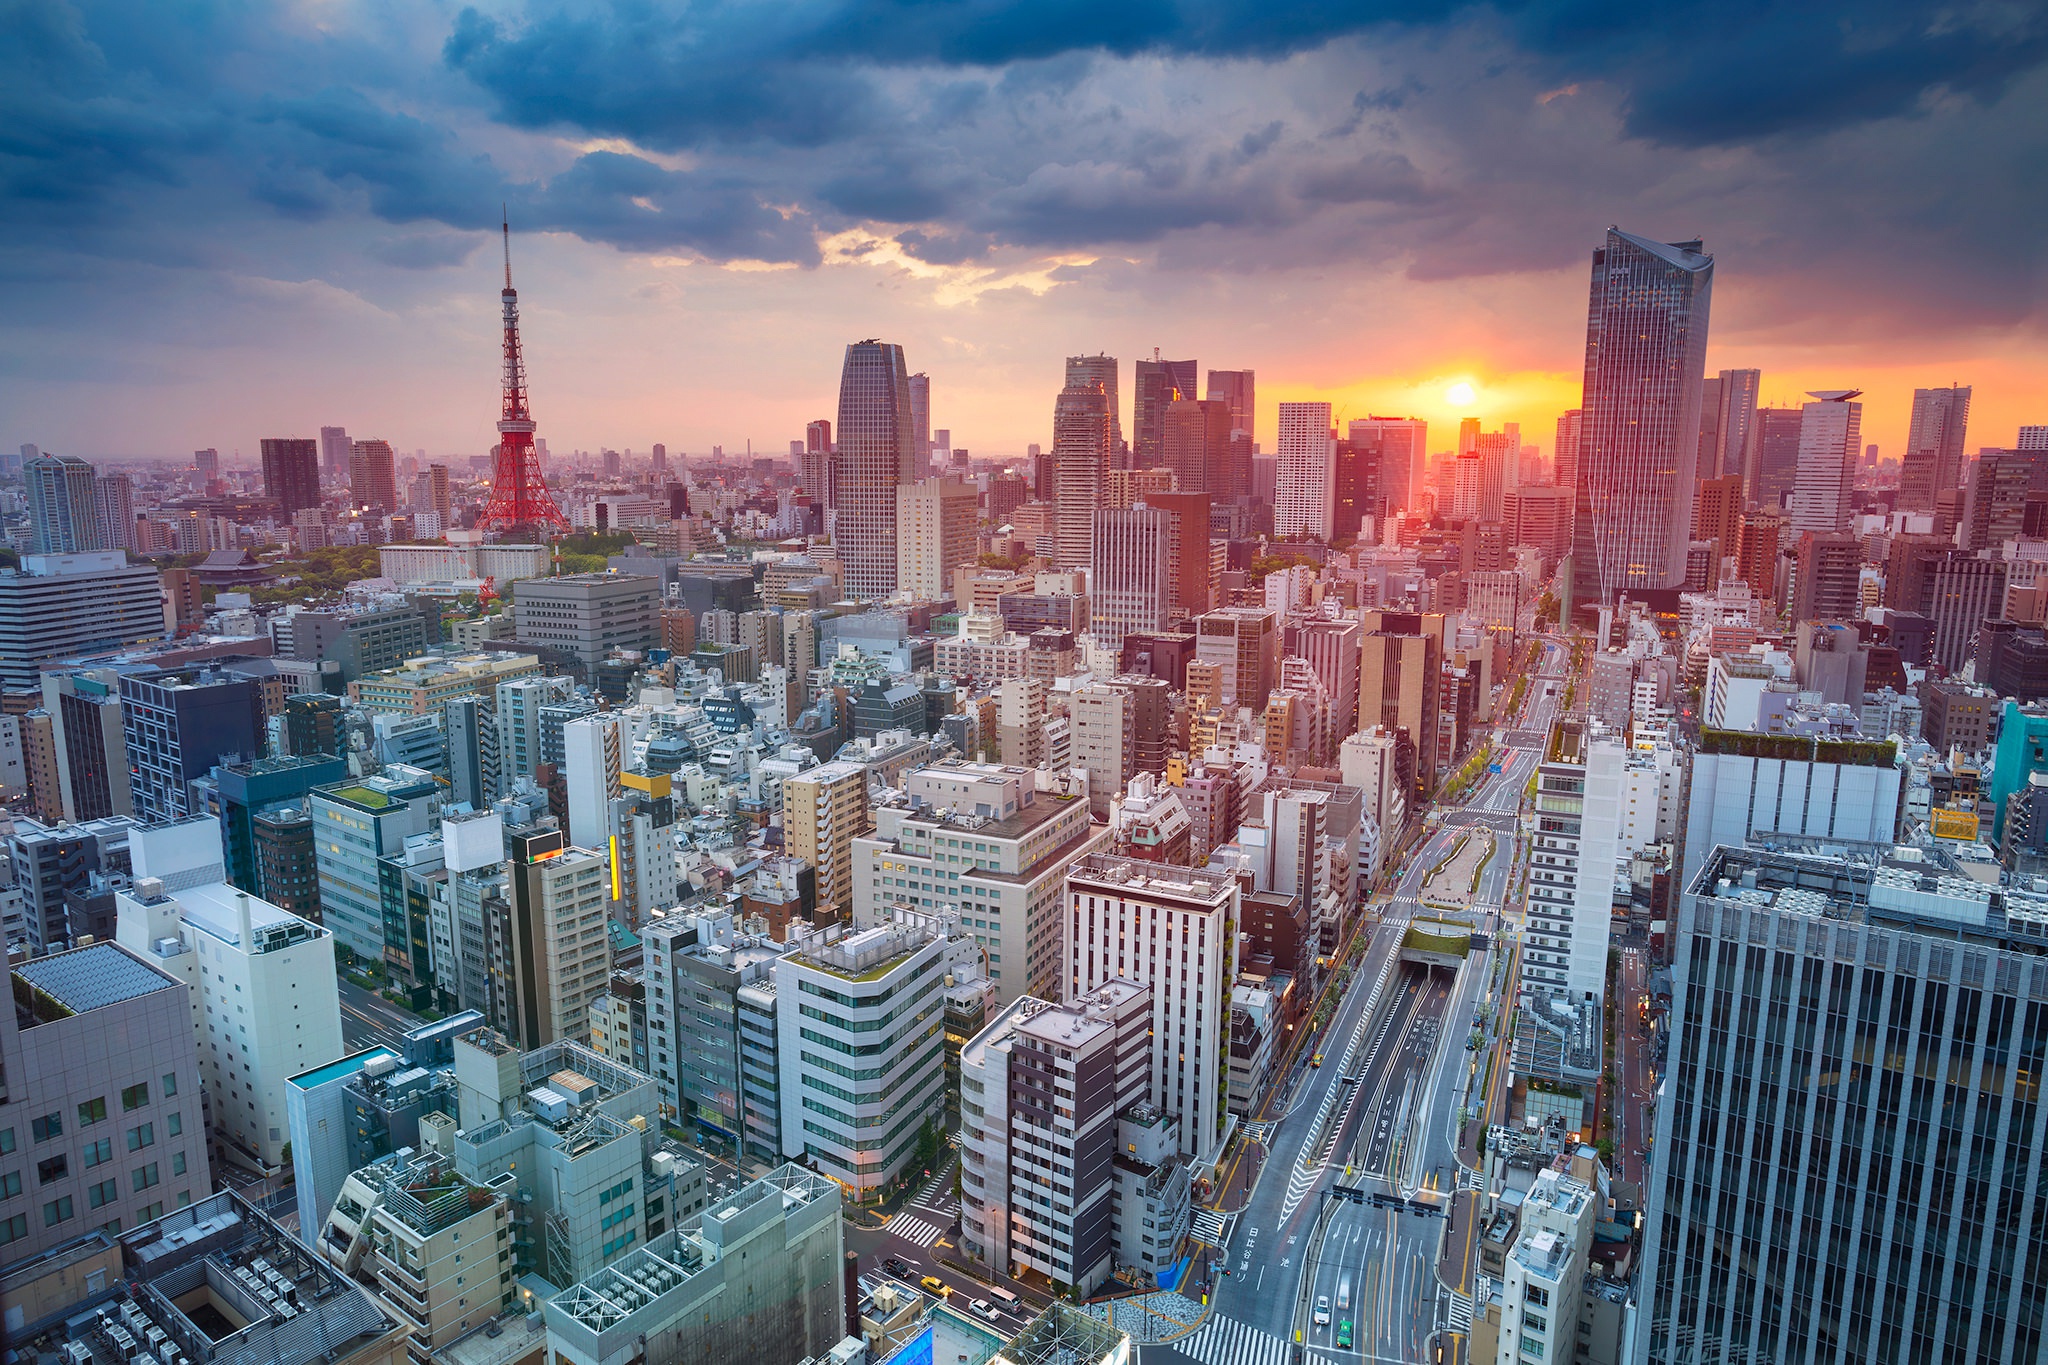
520, 500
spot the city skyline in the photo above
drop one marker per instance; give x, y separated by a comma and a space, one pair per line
1367, 223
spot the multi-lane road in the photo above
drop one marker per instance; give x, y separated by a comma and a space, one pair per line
1382, 1114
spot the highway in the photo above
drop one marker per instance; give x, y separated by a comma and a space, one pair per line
1396, 1126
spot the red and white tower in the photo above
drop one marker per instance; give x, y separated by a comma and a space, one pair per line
520, 500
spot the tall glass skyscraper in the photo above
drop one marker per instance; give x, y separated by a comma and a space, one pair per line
62, 513
1646, 347
874, 459
1849, 1139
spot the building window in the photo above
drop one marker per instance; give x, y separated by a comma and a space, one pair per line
175, 1124
47, 1127
145, 1176
134, 1097
106, 1192
52, 1168
140, 1136
96, 1152
56, 1211
10, 1184
92, 1111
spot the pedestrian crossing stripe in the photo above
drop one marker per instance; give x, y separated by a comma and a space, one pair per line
1461, 1311
914, 1229
1228, 1342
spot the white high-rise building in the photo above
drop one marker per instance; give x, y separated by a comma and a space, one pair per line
935, 520
265, 999
1830, 439
1170, 929
1305, 493
1129, 577
591, 765
1572, 863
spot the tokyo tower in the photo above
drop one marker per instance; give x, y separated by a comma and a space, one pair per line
520, 501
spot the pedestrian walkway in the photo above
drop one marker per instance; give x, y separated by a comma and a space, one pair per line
1224, 1341
1213, 1227
1164, 1316
915, 1230
1460, 1314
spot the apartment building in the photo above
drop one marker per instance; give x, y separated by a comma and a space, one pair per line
559, 955
697, 965
824, 811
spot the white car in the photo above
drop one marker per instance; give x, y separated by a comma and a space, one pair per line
1322, 1310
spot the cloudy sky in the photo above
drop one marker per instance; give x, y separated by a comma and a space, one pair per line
224, 220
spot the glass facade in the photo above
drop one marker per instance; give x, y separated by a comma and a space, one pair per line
873, 461
1849, 1147
1646, 346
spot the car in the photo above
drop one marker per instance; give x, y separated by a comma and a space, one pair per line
1316, 1060
932, 1284
1344, 1334
1322, 1310
900, 1268
983, 1308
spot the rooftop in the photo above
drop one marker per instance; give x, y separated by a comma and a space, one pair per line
89, 978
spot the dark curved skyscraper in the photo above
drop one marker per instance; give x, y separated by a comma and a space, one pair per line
1646, 349
873, 460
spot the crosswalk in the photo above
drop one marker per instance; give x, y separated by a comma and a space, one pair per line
1227, 1342
915, 1230
1213, 1227
1460, 1314
1469, 1179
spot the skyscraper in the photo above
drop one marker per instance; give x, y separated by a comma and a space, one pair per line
1933, 459
1777, 456
114, 511
372, 479
1728, 429
1083, 423
334, 451
1197, 446
1130, 586
816, 471
1399, 445
1305, 491
873, 461
921, 423
1158, 383
1830, 435
1238, 389
1646, 342
1084, 369
935, 521
291, 472
62, 508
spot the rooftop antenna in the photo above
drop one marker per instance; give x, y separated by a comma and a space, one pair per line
506, 217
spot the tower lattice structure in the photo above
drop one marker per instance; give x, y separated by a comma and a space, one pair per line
519, 495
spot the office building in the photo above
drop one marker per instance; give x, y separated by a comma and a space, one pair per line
1932, 462
1728, 427
935, 521
1827, 577
106, 1129
1156, 386
1646, 341
1095, 369
1196, 446
592, 759
355, 825
1812, 1196
372, 479
1380, 764
243, 794
760, 1276
1539, 517
1995, 499
62, 511
1244, 643
55, 867
873, 459
875, 994
587, 616
558, 956
712, 1056
1717, 520
1125, 919
519, 704
114, 511
1830, 438
1400, 679
1966, 592
1238, 391
261, 981
179, 726
643, 847
1330, 646
291, 472
1130, 576
1397, 447
978, 838
920, 425
90, 737
1042, 1089
1083, 420
1305, 505
824, 810
1190, 571
473, 761
1777, 456
1572, 864
64, 605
